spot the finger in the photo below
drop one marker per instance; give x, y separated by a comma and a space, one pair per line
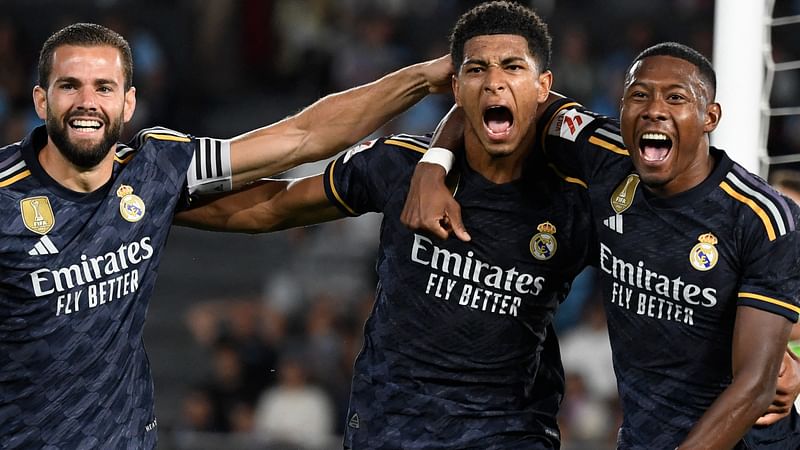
769, 419
784, 364
439, 228
778, 407
453, 213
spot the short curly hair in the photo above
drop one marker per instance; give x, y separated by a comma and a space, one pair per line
686, 53
502, 17
84, 35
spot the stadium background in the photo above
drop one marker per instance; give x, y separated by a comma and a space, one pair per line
252, 338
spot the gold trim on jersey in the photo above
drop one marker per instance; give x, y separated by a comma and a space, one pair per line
336, 193
124, 160
37, 214
416, 148
764, 298
165, 137
757, 209
607, 145
567, 178
15, 178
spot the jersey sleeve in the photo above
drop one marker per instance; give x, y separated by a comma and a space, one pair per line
579, 144
363, 178
771, 279
199, 165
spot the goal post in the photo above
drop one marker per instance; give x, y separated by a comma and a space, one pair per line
740, 47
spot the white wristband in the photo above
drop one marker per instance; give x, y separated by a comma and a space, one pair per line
440, 156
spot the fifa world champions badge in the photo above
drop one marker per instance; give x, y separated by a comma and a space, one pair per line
37, 214
622, 197
543, 244
704, 254
131, 206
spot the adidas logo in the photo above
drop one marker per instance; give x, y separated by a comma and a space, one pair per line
44, 247
354, 422
614, 222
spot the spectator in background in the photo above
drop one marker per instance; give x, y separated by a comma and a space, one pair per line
787, 182
295, 411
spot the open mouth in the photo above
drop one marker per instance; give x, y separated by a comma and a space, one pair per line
655, 147
85, 125
498, 121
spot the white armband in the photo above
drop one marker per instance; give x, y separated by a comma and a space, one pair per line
210, 170
440, 156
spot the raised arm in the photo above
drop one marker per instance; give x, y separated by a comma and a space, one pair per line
334, 122
759, 342
263, 206
429, 206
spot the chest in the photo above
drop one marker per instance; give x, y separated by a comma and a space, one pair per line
681, 263
83, 251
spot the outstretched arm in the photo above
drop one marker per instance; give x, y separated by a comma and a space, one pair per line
759, 342
334, 122
263, 206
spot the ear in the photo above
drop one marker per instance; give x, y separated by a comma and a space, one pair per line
130, 104
713, 116
456, 90
40, 101
545, 83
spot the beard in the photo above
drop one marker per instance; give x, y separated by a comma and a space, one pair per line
83, 154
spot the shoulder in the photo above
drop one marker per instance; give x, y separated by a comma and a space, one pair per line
158, 134
568, 124
763, 208
154, 140
567, 119
12, 165
394, 150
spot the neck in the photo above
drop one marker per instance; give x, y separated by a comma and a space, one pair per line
496, 166
695, 174
70, 176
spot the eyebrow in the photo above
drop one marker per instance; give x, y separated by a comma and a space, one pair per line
686, 86
96, 82
483, 62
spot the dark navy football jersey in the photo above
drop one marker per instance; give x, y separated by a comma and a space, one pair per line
454, 342
674, 270
76, 274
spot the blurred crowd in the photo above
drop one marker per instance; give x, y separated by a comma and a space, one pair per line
278, 359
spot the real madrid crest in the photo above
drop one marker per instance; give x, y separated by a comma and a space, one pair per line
622, 198
543, 244
131, 206
704, 255
37, 214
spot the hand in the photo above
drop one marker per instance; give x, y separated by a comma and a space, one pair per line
430, 207
438, 73
786, 392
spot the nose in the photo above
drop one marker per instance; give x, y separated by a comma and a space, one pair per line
495, 80
655, 109
87, 99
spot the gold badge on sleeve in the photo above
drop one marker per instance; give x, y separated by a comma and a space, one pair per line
704, 255
131, 206
543, 244
37, 214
